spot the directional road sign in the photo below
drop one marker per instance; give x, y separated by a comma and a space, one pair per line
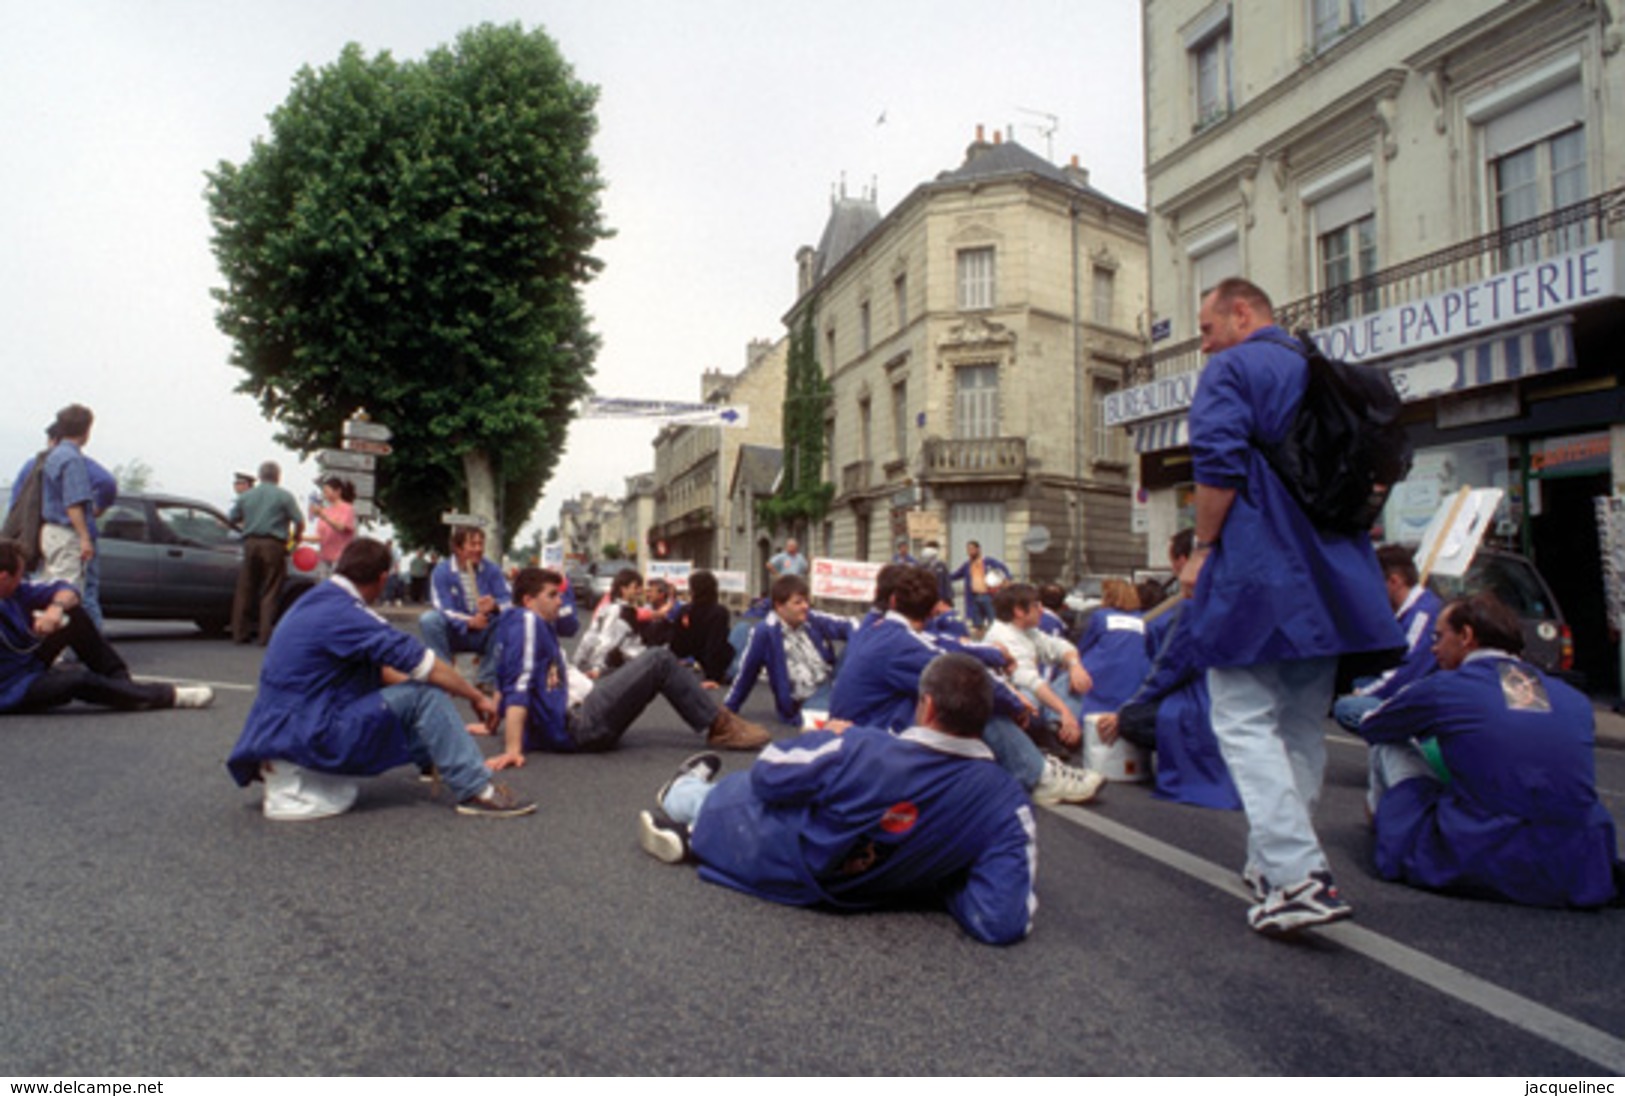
371, 431
341, 460
451, 517
367, 445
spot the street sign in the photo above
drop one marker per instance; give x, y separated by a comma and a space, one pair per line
364, 508
340, 460
451, 517
370, 431
366, 486
365, 445
1037, 540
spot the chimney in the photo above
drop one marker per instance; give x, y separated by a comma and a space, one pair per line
1077, 172
998, 137
980, 145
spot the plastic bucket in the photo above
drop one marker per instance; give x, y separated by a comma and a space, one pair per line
1122, 762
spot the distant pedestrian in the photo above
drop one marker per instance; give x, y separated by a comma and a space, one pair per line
334, 519
981, 575
788, 562
270, 520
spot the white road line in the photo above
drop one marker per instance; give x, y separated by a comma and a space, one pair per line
1568, 1033
232, 685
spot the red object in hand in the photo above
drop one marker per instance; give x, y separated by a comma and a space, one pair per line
304, 558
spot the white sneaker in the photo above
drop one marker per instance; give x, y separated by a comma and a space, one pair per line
1063, 783
293, 794
193, 696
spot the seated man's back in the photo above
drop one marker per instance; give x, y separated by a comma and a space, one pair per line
860, 818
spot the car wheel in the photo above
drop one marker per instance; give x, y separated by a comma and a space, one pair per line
213, 627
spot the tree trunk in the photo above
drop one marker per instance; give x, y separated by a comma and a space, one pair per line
482, 498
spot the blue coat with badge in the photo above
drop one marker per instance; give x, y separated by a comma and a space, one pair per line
1275, 588
318, 704
1520, 818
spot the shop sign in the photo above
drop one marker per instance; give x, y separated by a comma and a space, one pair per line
1576, 453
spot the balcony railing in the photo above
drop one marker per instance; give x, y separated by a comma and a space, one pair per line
1567, 229
855, 477
974, 458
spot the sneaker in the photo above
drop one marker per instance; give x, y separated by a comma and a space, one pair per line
193, 696
729, 732
662, 838
1314, 901
1252, 877
706, 766
497, 801
1063, 783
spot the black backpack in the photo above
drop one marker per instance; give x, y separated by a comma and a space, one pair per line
1346, 447
24, 519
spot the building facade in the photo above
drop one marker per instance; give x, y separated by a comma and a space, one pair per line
1436, 189
694, 465
970, 336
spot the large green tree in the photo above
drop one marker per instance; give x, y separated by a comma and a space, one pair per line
412, 239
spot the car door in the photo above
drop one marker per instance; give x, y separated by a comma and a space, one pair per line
201, 555
128, 559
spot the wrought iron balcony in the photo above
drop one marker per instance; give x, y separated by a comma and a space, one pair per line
1567, 229
967, 460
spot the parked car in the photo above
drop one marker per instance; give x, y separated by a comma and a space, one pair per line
1548, 642
170, 558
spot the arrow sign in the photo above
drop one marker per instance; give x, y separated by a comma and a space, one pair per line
339, 460
451, 517
371, 431
667, 411
365, 445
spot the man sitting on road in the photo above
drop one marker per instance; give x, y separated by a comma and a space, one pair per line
468, 593
857, 818
1018, 629
343, 694
38, 621
796, 646
1517, 815
550, 705
880, 679
1416, 608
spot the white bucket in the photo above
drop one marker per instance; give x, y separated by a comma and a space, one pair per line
813, 720
293, 794
1122, 762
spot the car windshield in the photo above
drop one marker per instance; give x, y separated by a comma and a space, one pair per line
1512, 580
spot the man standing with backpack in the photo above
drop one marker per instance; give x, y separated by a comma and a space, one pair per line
1277, 600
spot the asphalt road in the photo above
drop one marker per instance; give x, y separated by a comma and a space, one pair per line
153, 924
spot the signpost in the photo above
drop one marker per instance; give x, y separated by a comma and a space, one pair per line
357, 460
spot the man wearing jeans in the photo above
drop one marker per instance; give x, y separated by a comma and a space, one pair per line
1276, 601
549, 705
343, 694
857, 818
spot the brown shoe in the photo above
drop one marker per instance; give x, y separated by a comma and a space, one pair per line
729, 732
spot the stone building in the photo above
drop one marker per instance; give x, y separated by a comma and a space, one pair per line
694, 465
1434, 188
970, 336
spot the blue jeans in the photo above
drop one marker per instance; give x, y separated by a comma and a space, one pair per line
1390, 764
439, 638
979, 607
1014, 751
1269, 720
1349, 710
686, 797
436, 733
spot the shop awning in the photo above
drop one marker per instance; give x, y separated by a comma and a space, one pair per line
1496, 359
1509, 356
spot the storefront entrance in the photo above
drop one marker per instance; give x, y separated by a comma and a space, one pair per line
1563, 542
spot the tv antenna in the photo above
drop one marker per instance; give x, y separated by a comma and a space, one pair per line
1052, 122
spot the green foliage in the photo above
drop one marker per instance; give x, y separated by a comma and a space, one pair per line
612, 550
412, 239
803, 496
134, 475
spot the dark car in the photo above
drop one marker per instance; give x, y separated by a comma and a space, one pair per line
168, 558
1547, 640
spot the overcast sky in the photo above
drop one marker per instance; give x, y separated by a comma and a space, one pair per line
723, 127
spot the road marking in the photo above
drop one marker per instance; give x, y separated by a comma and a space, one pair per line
232, 685
1566, 1032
